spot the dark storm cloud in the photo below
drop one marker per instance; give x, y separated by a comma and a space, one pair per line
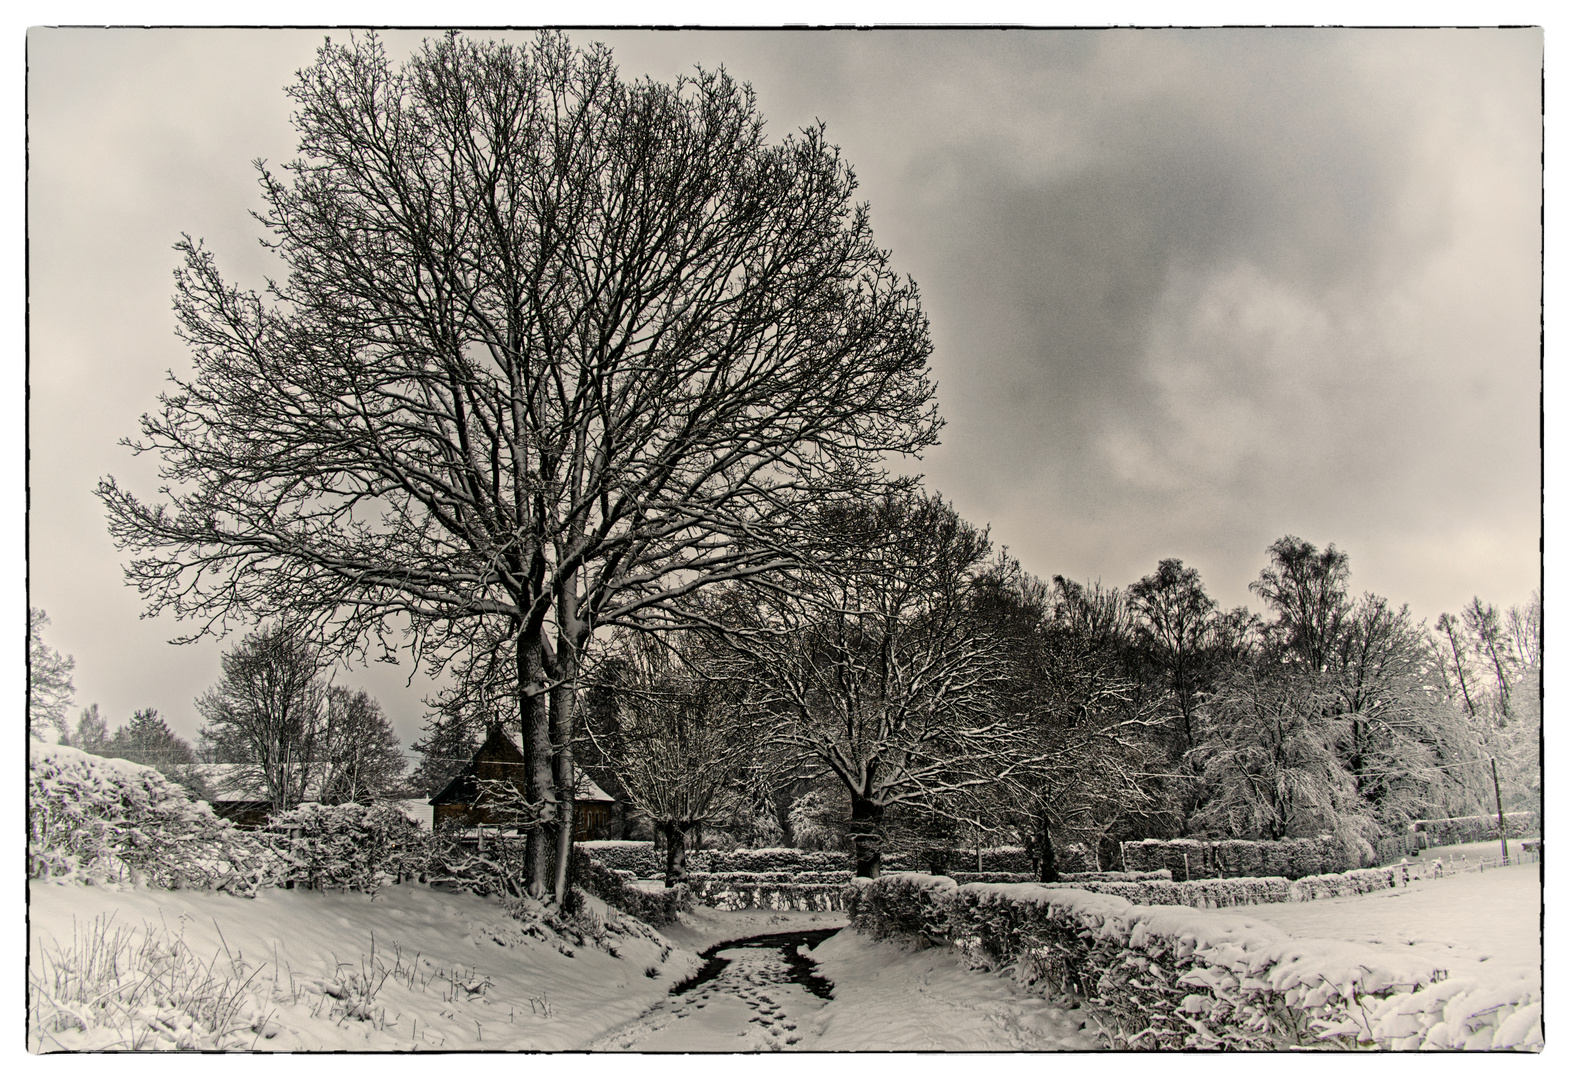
1189, 290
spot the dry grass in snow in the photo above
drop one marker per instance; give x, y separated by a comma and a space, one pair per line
412, 968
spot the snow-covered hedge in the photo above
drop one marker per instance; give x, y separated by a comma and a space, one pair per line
776, 877
1192, 859
657, 909
640, 857
1470, 830
1120, 875
94, 819
739, 892
1179, 978
1005, 860
350, 846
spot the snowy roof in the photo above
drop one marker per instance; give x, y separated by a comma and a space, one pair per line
499, 748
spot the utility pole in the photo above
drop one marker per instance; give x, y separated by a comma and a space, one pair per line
1499, 808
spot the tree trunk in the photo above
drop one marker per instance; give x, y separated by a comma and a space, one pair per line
783, 797
562, 711
866, 834
675, 852
534, 707
1049, 859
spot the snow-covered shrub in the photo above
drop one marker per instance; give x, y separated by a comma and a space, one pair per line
775, 877
350, 846
1205, 893
1194, 859
635, 856
764, 860
1004, 860
963, 876
907, 905
1119, 875
1178, 978
98, 820
740, 892
597, 879
1440, 832
496, 870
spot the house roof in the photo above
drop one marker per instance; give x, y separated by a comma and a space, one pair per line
499, 747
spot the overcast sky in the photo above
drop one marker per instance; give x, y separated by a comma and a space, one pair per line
1190, 291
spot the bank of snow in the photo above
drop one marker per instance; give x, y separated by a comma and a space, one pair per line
410, 968
889, 996
1469, 923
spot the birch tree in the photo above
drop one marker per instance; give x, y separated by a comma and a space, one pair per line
552, 351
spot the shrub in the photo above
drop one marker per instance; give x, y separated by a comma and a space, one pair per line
1292, 858
1440, 832
97, 820
657, 909
352, 846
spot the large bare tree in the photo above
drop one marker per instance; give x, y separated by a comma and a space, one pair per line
552, 349
675, 736
872, 661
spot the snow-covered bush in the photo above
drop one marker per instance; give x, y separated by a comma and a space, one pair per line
740, 892
350, 846
1119, 875
635, 856
900, 905
94, 819
1206, 893
1440, 832
597, 879
1194, 859
1179, 978
963, 876
1004, 860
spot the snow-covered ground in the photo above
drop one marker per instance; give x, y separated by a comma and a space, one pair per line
447, 971
1475, 921
897, 997
418, 968
444, 970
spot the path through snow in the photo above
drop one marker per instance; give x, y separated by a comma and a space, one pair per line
885, 997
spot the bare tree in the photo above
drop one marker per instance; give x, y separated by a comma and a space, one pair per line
1083, 727
360, 756
872, 662
268, 712
553, 350
49, 686
1308, 589
675, 737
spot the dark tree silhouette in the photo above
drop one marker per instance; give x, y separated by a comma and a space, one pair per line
552, 350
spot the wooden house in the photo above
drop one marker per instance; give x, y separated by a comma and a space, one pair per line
466, 804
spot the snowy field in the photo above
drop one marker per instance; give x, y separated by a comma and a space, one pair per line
445, 971
417, 968
413, 968
1488, 919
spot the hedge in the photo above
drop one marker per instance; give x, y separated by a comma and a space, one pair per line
350, 846
1188, 860
1178, 978
1439, 832
735, 894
